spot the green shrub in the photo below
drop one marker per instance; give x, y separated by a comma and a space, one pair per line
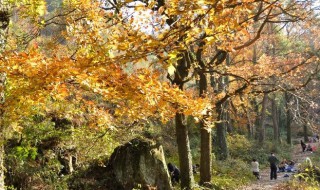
25, 152
230, 174
239, 146
309, 173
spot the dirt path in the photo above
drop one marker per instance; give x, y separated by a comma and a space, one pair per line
266, 184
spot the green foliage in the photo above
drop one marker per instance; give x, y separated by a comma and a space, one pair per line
26, 167
24, 153
239, 146
34, 156
231, 173
297, 185
310, 172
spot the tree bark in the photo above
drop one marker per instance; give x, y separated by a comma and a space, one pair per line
257, 119
221, 126
249, 124
2, 138
206, 139
185, 158
223, 152
275, 120
205, 157
4, 23
262, 134
288, 119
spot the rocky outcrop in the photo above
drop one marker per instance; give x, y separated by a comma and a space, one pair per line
138, 164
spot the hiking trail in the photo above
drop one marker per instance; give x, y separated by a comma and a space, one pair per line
266, 184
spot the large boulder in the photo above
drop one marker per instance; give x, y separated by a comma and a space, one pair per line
138, 164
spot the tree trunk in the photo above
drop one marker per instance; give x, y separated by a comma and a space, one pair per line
305, 133
262, 134
221, 126
205, 157
184, 152
185, 158
275, 120
222, 146
4, 23
288, 118
230, 124
257, 119
249, 124
206, 139
2, 139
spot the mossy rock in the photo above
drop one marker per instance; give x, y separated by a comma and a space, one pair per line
139, 164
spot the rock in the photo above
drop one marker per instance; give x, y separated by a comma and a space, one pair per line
138, 164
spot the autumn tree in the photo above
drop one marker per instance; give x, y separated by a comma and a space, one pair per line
4, 23
82, 62
100, 38
214, 61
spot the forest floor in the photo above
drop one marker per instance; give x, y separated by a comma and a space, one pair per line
266, 184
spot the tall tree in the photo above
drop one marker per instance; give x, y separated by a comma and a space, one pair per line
288, 118
275, 120
4, 23
205, 128
185, 158
262, 118
221, 134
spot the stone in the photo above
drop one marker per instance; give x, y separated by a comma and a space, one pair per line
138, 164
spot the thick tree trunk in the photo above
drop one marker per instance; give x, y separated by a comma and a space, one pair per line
4, 23
262, 134
184, 152
288, 119
205, 157
275, 120
222, 146
185, 158
206, 139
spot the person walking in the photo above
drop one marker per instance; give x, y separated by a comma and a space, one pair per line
273, 160
255, 168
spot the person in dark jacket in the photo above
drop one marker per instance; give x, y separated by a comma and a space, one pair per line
174, 173
303, 146
273, 160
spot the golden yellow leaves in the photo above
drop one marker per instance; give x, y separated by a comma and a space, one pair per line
105, 42
33, 8
16, 127
171, 70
